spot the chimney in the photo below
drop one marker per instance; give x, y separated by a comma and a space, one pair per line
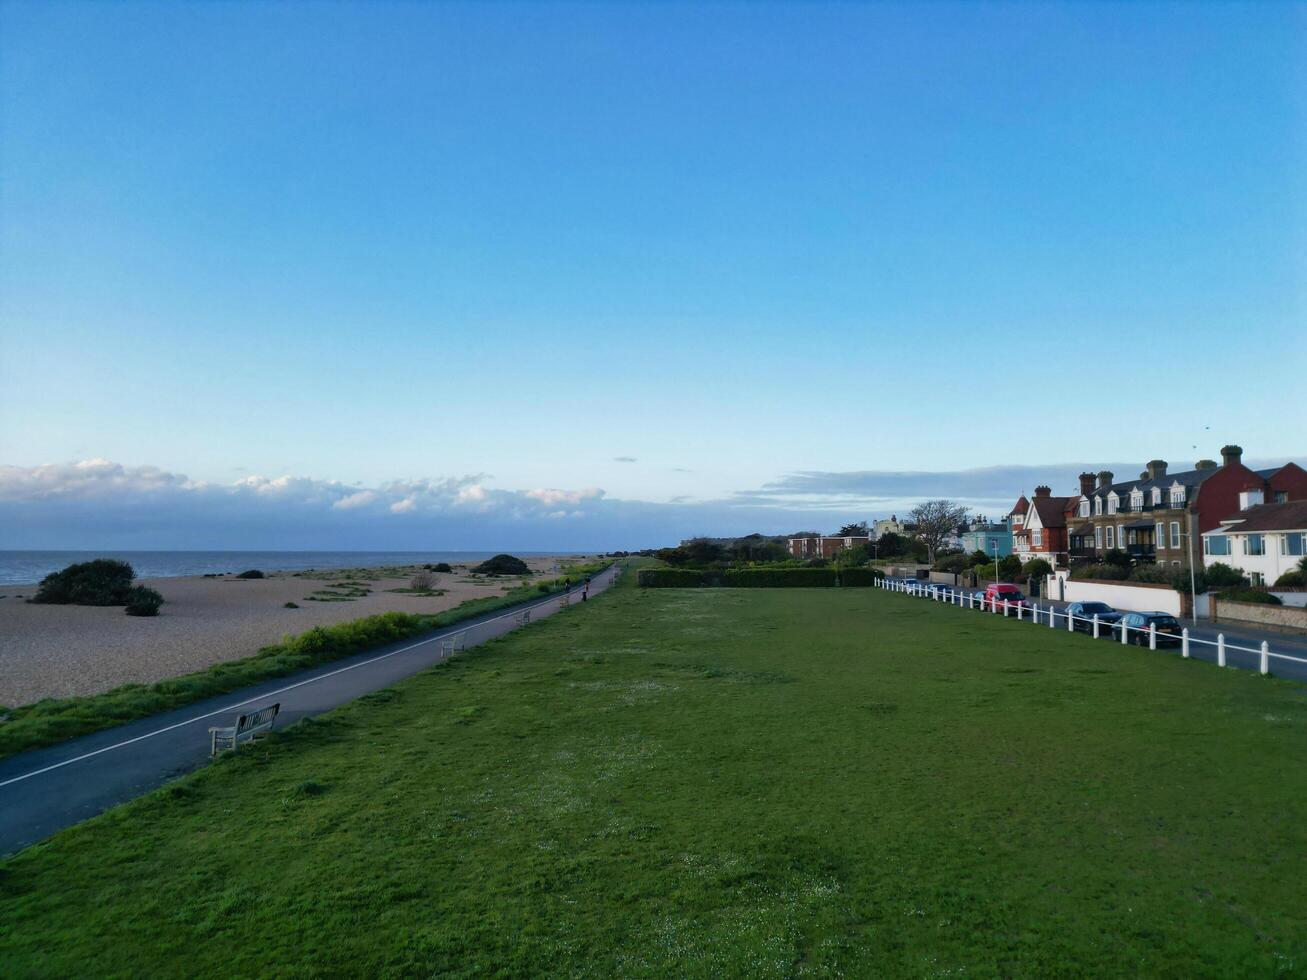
1086, 484
1043, 491
1144, 475
1105, 479
1230, 455
1205, 464
1156, 469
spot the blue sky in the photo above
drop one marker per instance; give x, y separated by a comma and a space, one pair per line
657, 257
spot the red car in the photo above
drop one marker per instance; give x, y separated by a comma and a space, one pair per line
996, 593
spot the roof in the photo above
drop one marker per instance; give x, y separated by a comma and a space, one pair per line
1291, 516
1022, 506
1051, 510
1187, 478
1140, 525
1083, 531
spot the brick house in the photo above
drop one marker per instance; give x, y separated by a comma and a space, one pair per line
1152, 518
820, 546
1042, 532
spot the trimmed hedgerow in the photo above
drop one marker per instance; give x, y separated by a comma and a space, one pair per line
860, 577
669, 578
781, 578
1250, 595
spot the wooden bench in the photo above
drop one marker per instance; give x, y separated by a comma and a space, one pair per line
452, 645
522, 618
247, 729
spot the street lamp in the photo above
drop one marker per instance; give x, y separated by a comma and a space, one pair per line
995, 544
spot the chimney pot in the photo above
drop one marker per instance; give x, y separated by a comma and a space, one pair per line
1230, 455
1086, 484
1205, 464
1156, 469
1105, 479
1043, 491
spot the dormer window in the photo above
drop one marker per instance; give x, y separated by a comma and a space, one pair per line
1157, 496
1177, 496
1137, 500
1084, 507
1111, 503
1098, 505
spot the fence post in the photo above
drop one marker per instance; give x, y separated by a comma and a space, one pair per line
1020, 613
971, 601
1125, 633
1220, 649
1152, 636
1095, 626
1184, 643
1266, 657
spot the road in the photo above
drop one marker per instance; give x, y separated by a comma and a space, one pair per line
1286, 643
48, 789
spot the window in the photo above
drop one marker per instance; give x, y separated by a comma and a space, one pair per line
1098, 538
1084, 508
1120, 536
1256, 578
1160, 538
1137, 500
1177, 496
1175, 564
1111, 504
1281, 496
1037, 536
1175, 534
1216, 544
1111, 541
1098, 505
1254, 545
1293, 544
1157, 496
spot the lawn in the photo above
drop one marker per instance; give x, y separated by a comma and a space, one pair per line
720, 782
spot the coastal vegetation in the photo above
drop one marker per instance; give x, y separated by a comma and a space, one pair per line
699, 782
251, 573
143, 601
54, 720
502, 565
102, 582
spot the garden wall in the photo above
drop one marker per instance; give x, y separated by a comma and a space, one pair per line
1224, 610
1133, 596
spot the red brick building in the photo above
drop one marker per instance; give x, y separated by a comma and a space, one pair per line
823, 547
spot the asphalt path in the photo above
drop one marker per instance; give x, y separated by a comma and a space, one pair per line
1242, 643
48, 789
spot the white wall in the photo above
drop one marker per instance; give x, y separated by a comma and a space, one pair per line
1133, 598
1272, 564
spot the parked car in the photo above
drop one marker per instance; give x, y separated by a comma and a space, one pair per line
941, 590
1084, 613
979, 596
997, 593
1138, 624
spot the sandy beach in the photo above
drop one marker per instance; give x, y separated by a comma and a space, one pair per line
60, 651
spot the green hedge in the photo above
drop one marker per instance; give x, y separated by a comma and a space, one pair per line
860, 577
781, 578
669, 578
1250, 595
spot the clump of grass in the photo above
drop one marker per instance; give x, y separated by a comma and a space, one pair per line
291, 605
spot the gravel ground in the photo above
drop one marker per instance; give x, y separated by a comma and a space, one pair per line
60, 651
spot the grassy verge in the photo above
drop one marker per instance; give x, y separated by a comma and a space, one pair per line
719, 782
57, 719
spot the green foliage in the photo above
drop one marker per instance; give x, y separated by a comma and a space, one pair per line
291, 605
1107, 573
978, 557
1009, 567
669, 578
1115, 556
440, 566
1250, 595
1037, 568
143, 601
860, 577
1150, 573
952, 563
1292, 579
566, 802
102, 582
502, 565
858, 530
781, 578
1220, 575
251, 573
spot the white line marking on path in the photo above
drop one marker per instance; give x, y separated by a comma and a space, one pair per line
281, 690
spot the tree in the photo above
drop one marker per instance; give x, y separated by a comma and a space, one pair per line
1037, 568
935, 521
1009, 567
858, 530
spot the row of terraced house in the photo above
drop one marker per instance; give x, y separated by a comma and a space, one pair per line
1213, 512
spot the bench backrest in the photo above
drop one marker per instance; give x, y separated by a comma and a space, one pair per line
257, 719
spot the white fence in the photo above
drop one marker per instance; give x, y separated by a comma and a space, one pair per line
1052, 618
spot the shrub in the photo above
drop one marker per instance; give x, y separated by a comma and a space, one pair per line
860, 577
1107, 573
1009, 567
1251, 595
952, 563
669, 578
421, 582
442, 566
142, 601
780, 578
291, 605
1115, 556
1037, 568
1150, 573
502, 565
251, 573
1291, 579
978, 557
1221, 575
103, 582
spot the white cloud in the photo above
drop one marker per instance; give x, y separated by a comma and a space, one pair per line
552, 498
360, 499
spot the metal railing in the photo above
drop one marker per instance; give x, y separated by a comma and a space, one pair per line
1049, 615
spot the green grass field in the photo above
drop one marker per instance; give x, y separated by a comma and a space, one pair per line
720, 782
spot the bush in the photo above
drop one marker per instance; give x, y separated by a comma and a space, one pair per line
103, 582
952, 563
1221, 575
1009, 567
780, 578
669, 578
1106, 573
1291, 579
1037, 568
291, 605
1251, 595
978, 557
442, 566
421, 582
1151, 573
142, 601
860, 577
251, 573
1115, 556
502, 565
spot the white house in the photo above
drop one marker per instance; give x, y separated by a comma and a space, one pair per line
1262, 540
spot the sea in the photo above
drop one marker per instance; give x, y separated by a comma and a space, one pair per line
28, 567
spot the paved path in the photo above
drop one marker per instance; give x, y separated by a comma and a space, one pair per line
48, 789
1290, 644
